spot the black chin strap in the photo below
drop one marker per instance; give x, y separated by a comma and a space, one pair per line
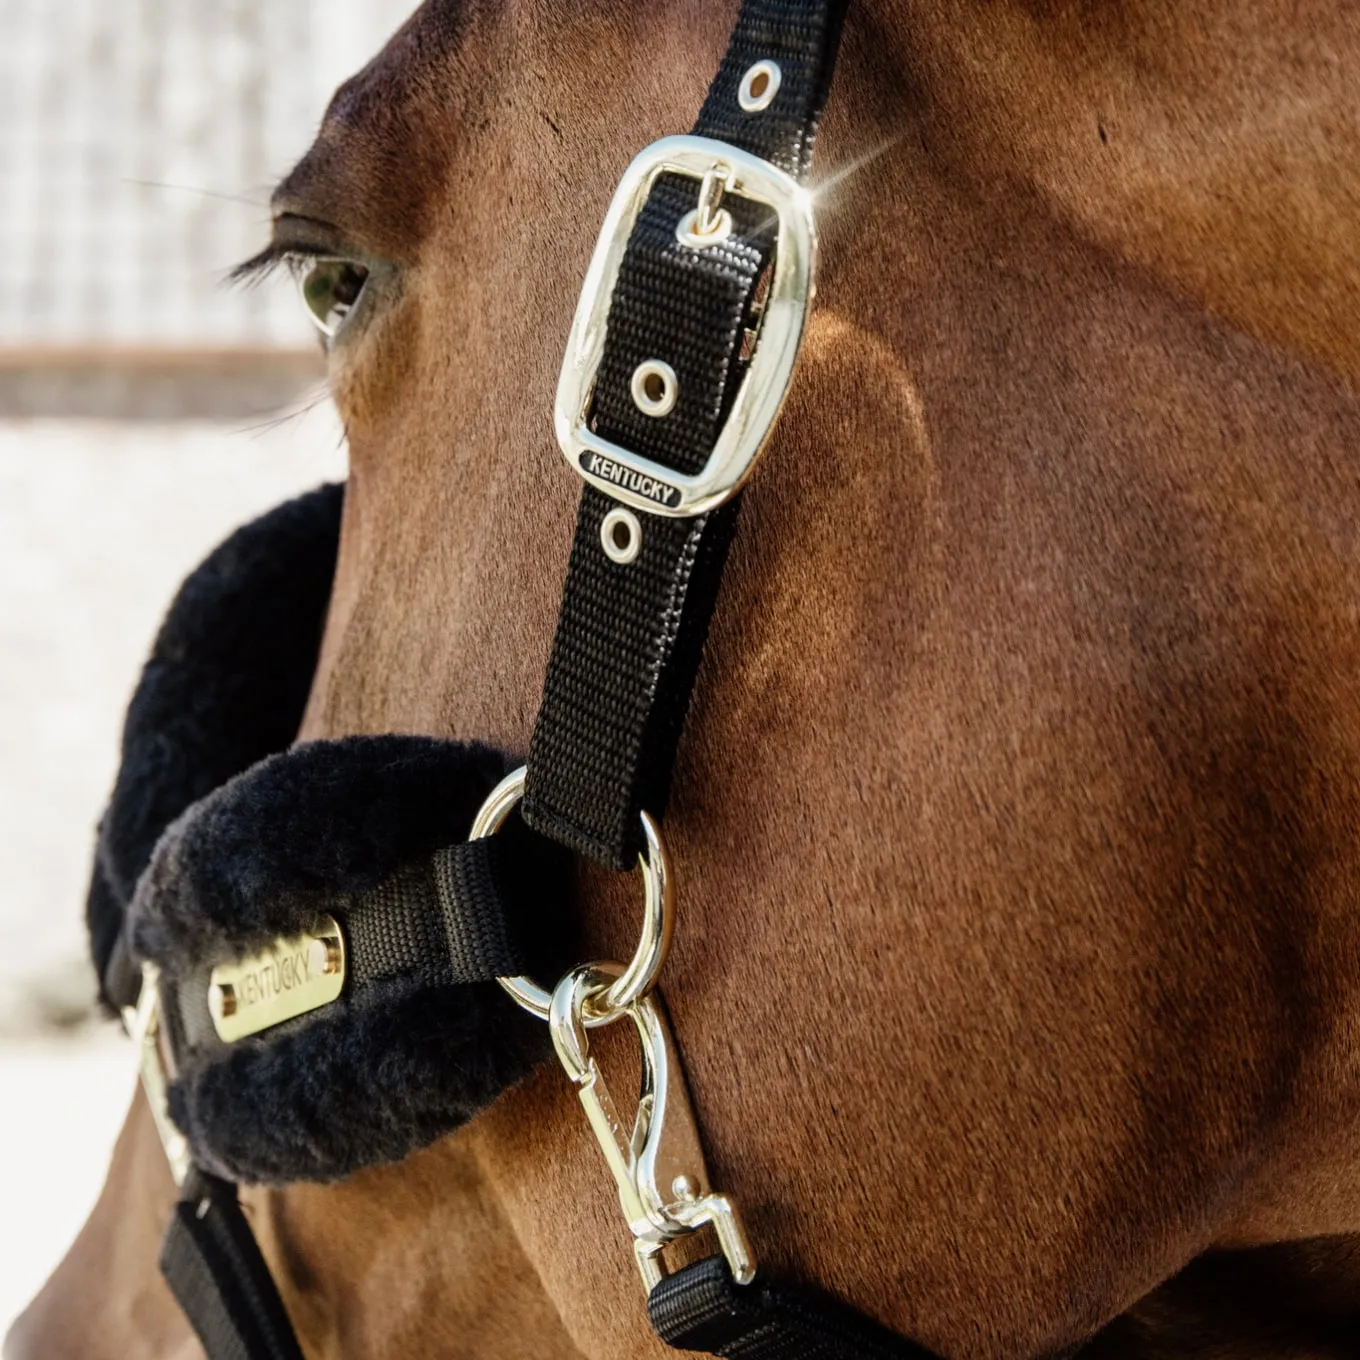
215, 1270
700, 1309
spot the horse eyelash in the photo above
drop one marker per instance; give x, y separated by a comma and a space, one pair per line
271, 258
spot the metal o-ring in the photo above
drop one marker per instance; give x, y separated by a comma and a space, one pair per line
759, 86
658, 915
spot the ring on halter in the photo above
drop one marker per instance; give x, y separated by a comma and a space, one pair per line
658, 916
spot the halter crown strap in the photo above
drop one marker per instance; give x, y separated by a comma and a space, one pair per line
633, 619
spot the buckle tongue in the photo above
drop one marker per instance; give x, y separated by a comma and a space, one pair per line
721, 170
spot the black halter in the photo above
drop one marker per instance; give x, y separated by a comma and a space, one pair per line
396, 928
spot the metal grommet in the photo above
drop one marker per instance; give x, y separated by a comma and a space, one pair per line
658, 914
688, 234
759, 86
655, 388
621, 536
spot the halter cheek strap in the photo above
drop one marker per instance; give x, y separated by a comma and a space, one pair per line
663, 420
634, 617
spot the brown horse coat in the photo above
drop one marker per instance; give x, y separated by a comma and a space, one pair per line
1018, 963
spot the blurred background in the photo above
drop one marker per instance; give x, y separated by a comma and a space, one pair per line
145, 410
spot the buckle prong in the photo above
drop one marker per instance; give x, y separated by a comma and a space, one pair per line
710, 224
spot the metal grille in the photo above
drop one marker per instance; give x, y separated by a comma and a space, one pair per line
138, 143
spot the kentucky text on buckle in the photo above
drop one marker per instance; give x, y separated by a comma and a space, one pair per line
620, 473
288, 978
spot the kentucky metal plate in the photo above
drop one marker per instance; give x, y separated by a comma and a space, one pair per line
289, 978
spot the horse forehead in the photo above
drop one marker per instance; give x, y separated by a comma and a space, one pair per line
379, 161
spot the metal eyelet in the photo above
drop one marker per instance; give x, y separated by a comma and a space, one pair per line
710, 224
759, 86
621, 536
655, 388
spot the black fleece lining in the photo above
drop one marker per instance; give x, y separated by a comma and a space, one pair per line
224, 686
218, 837
336, 826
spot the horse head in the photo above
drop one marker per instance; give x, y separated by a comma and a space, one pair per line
1015, 812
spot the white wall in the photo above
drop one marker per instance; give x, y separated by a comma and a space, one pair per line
139, 140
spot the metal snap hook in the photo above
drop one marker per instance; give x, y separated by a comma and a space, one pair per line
658, 915
658, 1164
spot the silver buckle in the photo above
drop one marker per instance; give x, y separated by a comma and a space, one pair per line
618, 472
143, 1023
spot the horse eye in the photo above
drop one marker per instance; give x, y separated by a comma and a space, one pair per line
331, 289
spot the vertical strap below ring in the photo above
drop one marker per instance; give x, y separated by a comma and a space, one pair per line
214, 1268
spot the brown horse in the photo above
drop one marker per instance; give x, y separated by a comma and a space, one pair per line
1018, 966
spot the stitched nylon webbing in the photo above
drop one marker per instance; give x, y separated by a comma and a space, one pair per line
442, 920
437, 922
629, 637
700, 1308
214, 1268
803, 36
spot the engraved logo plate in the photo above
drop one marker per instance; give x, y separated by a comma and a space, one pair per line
650, 488
289, 978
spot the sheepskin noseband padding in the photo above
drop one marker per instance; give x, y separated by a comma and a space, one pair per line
246, 847
224, 686
393, 1063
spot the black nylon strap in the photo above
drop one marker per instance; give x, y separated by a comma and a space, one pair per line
700, 1308
214, 1268
441, 921
629, 637
121, 982
803, 37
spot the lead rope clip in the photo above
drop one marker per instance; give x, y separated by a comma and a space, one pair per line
658, 1166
